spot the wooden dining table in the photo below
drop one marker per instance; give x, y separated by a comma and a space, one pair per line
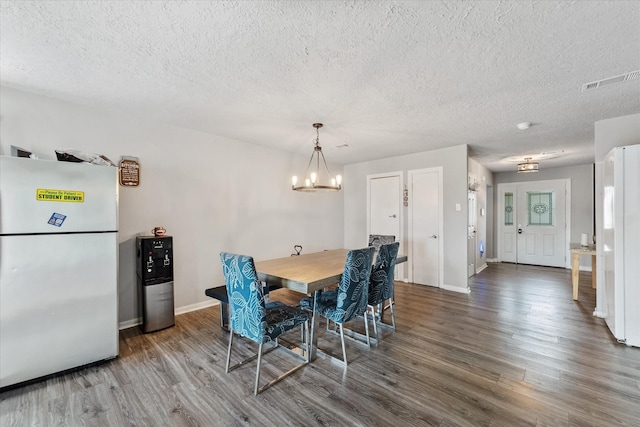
577, 250
307, 274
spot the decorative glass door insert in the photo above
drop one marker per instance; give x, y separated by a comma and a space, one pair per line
540, 208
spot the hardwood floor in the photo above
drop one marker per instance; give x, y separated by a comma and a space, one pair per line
516, 351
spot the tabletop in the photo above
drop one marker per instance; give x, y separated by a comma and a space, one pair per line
309, 272
304, 273
583, 250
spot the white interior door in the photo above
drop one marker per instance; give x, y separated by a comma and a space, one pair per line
425, 226
384, 212
384, 206
534, 222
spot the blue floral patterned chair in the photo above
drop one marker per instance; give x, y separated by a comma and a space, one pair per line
350, 299
381, 283
377, 240
252, 317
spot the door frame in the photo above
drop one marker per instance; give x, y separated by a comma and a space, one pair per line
400, 237
472, 216
500, 203
439, 170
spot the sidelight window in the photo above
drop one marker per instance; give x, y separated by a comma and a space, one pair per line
508, 208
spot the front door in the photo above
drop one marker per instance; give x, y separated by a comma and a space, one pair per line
533, 222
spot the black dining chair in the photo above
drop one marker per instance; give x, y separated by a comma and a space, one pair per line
252, 317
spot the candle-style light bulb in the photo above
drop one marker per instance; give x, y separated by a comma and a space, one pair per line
294, 180
339, 179
333, 182
307, 182
313, 177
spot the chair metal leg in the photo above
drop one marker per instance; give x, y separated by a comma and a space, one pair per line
229, 351
255, 389
393, 317
304, 340
366, 328
315, 322
344, 349
375, 324
329, 327
366, 314
307, 344
248, 359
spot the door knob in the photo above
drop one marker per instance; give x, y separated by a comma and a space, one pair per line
433, 236
392, 216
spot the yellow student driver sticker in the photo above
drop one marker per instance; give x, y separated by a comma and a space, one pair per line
50, 195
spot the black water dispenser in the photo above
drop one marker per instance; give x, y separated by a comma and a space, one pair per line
155, 282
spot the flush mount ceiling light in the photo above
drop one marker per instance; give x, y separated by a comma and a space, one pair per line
523, 125
527, 166
313, 181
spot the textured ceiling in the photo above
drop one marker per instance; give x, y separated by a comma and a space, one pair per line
387, 78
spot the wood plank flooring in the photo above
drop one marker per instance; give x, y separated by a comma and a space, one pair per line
516, 351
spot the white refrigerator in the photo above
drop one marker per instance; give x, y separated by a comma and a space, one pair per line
621, 243
58, 267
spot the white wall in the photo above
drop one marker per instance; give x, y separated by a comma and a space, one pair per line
581, 177
211, 193
454, 163
616, 132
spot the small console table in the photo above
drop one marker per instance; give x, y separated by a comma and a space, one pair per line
576, 251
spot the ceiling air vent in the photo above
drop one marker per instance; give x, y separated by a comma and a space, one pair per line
611, 80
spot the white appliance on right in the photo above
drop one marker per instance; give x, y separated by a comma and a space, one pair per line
621, 243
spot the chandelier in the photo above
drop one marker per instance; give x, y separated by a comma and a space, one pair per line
313, 180
527, 166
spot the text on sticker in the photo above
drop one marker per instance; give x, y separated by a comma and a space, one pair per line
49, 195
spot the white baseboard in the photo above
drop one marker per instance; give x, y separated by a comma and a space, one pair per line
582, 267
456, 289
599, 313
197, 306
130, 323
482, 267
181, 310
